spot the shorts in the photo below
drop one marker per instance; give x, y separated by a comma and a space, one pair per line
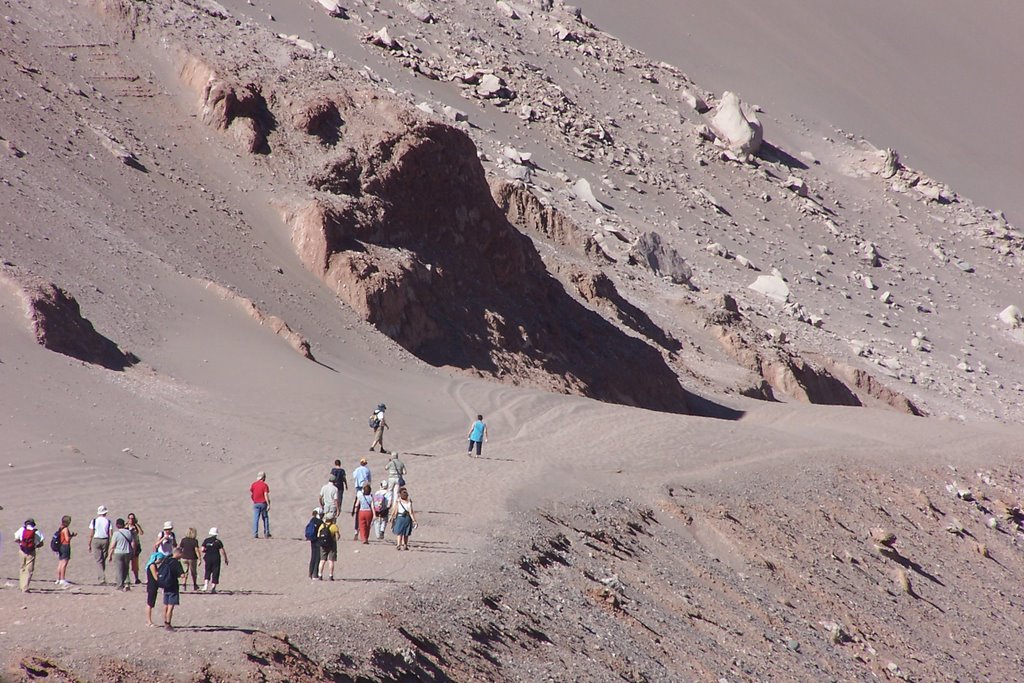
65, 551
212, 572
172, 598
151, 590
329, 555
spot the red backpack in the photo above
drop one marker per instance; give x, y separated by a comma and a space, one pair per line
28, 541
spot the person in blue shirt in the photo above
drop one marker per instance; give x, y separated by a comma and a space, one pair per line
477, 435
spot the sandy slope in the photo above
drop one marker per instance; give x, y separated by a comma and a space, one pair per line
889, 72
218, 397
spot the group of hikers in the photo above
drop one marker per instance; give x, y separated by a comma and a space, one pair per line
371, 511
117, 543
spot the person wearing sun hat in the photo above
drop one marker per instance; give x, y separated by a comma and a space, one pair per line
213, 552
99, 542
166, 541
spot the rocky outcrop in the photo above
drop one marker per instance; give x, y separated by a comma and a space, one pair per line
598, 290
651, 252
277, 325
55, 321
406, 232
238, 109
525, 210
788, 375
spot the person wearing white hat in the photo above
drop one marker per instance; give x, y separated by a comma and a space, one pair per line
213, 552
166, 540
99, 542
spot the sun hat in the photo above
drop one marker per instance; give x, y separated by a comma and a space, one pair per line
362, 461
261, 475
381, 406
213, 531
168, 526
101, 510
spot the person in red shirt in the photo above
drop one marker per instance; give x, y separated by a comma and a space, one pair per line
260, 505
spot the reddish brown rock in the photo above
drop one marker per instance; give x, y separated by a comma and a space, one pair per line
55, 320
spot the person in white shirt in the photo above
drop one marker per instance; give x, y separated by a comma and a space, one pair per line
99, 542
329, 497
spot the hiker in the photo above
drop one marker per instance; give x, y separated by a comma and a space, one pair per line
338, 476
477, 435
403, 519
213, 552
327, 538
120, 555
28, 539
136, 529
396, 474
381, 507
166, 541
152, 583
312, 533
167, 576
378, 424
260, 505
99, 542
361, 476
64, 536
190, 557
329, 498
362, 510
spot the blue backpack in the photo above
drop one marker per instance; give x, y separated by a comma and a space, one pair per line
312, 527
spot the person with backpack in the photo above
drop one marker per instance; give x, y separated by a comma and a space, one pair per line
362, 510
396, 474
62, 540
28, 539
213, 552
378, 424
312, 534
136, 529
166, 540
153, 583
338, 476
477, 435
327, 539
120, 555
168, 575
99, 542
381, 508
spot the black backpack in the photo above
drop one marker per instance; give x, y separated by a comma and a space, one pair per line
55, 541
374, 421
324, 537
165, 577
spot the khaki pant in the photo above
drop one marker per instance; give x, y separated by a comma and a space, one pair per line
28, 567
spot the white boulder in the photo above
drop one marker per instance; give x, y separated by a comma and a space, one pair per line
737, 126
1011, 316
772, 286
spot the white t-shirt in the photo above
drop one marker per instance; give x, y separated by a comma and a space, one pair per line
329, 493
100, 527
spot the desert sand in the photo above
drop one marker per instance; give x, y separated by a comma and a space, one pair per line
780, 514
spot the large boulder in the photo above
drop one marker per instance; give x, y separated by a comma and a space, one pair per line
651, 252
736, 126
